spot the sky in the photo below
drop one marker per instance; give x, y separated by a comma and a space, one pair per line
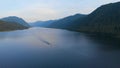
41, 10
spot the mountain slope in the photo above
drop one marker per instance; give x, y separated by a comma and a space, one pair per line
104, 19
15, 19
6, 26
66, 22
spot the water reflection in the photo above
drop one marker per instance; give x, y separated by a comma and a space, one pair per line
106, 42
53, 48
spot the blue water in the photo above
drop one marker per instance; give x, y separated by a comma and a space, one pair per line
54, 48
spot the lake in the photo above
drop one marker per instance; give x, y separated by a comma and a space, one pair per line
55, 48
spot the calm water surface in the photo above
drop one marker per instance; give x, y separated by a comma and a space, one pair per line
54, 48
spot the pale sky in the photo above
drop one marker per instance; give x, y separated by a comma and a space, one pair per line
34, 10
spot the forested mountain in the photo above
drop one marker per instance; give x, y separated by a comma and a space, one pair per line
12, 23
64, 23
7, 26
14, 19
105, 19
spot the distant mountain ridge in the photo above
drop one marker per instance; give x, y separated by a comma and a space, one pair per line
60, 23
13, 23
42, 23
18, 20
67, 21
